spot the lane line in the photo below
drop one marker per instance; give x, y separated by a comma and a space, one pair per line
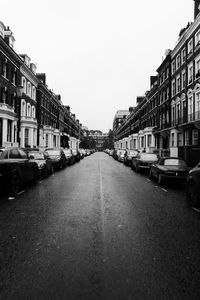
101, 201
164, 190
197, 210
21, 192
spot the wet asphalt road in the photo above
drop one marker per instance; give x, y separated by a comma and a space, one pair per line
98, 230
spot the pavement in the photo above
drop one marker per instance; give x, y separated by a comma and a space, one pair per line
98, 230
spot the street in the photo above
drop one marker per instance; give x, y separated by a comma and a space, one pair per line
99, 230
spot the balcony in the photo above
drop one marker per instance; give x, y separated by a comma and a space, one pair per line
5, 108
25, 119
180, 120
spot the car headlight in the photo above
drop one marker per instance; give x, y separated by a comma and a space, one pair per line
41, 165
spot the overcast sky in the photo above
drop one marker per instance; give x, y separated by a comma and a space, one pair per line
98, 54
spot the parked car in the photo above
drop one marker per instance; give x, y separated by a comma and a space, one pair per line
169, 168
143, 161
120, 155
16, 169
43, 161
82, 153
69, 156
128, 156
76, 155
57, 156
193, 187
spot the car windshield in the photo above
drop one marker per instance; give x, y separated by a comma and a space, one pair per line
174, 162
148, 156
36, 155
53, 152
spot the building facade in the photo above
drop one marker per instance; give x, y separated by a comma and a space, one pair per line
167, 119
10, 64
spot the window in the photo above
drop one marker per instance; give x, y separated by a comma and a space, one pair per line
190, 73
148, 140
173, 66
173, 87
190, 46
195, 137
197, 38
178, 61
33, 111
197, 67
167, 72
47, 140
178, 84
180, 139
186, 138
183, 56
173, 140
197, 106
183, 79
4, 95
4, 68
26, 137
190, 108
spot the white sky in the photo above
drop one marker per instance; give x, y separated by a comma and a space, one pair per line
98, 54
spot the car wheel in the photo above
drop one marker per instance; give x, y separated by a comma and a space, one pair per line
137, 169
160, 179
14, 186
51, 170
150, 174
192, 195
45, 172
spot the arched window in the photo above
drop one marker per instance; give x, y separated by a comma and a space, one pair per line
24, 84
33, 93
23, 108
28, 110
33, 111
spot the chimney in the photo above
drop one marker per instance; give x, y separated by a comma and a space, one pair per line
42, 77
153, 80
196, 8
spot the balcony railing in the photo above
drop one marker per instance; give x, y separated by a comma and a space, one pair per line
7, 107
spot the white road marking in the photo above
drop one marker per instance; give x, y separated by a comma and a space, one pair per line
102, 202
148, 180
21, 192
11, 198
196, 209
164, 190
40, 181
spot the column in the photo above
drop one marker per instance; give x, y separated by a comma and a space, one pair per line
13, 133
4, 130
31, 137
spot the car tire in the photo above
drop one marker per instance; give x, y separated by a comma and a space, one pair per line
51, 170
160, 179
137, 169
192, 195
150, 174
14, 186
45, 172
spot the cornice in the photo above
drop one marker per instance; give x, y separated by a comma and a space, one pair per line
186, 35
10, 51
29, 74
